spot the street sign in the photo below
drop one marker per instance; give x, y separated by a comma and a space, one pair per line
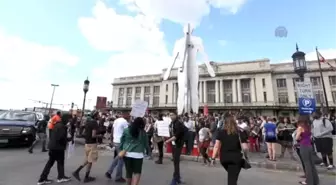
307, 103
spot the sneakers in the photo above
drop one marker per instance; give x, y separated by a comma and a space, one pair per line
76, 175
64, 179
89, 179
41, 182
330, 167
108, 175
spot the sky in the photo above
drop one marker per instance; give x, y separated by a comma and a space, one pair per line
64, 42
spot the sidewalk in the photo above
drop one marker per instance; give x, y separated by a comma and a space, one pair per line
256, 159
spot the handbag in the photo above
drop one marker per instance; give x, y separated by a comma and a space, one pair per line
245, 162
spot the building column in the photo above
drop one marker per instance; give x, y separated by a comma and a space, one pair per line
200, 97
125, 96
133, 95
290, 91
221, 90
173, 93
234, 91
151, 96
239, 92
205, 97
327, 86
252, 89
217, 92
142, 94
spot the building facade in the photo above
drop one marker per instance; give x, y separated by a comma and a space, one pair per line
253, 87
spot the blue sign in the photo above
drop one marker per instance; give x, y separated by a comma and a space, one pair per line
307, 106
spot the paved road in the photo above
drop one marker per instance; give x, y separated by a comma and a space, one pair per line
17, 167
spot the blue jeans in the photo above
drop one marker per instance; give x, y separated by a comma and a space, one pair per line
117, 162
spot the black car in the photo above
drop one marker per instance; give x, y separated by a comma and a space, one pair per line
17, 127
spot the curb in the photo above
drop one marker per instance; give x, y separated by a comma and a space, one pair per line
266, 165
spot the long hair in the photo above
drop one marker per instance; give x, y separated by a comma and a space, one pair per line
303, 121
160, 117
230, 125
136, 127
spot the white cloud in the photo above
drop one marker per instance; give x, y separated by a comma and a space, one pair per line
326, 53
186, 11
25, 68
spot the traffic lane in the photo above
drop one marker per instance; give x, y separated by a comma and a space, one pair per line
24, 168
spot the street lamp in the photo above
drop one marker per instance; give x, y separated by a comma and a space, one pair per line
52, 96
85, 89
299, 63
300, 68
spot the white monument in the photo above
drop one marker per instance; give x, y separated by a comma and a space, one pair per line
185, 52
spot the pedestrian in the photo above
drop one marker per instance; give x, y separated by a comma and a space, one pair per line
159, 140
303, 136
119, 126
133, 144
229, 144
178, 131
149, 129
57, 144
42, 134
322, 133
270, 131
204, 142
91, 150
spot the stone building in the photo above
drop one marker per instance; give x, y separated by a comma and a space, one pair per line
252, 87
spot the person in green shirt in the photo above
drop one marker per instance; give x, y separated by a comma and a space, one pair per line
133, 144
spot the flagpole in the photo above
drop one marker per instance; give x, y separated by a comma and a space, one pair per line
322, 80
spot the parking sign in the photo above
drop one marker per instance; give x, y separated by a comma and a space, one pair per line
307, 103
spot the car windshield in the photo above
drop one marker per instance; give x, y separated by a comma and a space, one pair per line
17, 116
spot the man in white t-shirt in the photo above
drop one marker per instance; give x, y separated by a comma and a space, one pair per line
119, 126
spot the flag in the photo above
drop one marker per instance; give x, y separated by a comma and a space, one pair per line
320, 58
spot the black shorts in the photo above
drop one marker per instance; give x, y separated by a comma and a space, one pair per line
133, 166
324, 145
270, 140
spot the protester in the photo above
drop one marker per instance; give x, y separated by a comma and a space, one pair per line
178, 131
42, 134
119, 125
133, 144
91, 151
204, 137
149, 129
190, 136
285, 131
57, 144
270, 132
158, 139
229, 145
303, 136
322, 133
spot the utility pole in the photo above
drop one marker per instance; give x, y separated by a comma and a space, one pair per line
52, 96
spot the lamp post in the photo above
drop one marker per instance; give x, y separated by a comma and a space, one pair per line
300, 68
299, 63
52, 96
85, 89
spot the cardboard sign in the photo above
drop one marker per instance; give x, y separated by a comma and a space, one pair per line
139, 108
163, 128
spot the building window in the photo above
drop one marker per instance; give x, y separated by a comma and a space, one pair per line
128, 101
121, 97
246, 98
228, 98
283, 97
138, 90
334, 96
265, 97
156, 89
245, 84
263, 82
211, 91
147, 90
227, 85
156, 101
166, 99
332, 80
146, 98
296, 80
319, 97
281, 83
296, 97
129, 91
166, 87
316, 81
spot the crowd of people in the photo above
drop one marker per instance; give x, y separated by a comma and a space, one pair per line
134, 139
